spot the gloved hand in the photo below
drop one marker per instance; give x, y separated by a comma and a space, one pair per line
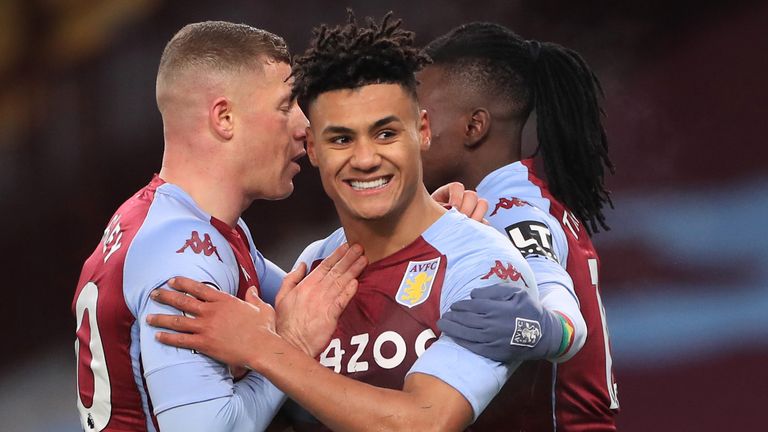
505, 323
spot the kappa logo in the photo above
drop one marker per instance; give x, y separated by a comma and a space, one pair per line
204, 246
507, 204
527, 333
417, 282
508, 272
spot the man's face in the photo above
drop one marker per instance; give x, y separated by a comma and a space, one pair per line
272, 131
443, 162
366, 143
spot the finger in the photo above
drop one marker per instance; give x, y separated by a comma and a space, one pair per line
441, 194
485, 221
467, 319
348, 260
456, 194
178, 323
335, 284
496, 292
459, 332
480, 209
290, 281
179, 340
327, 264
177, 300
343, 299
477, 306
197, 289
468, 203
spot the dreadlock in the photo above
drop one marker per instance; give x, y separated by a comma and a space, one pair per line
555, 82
351, 56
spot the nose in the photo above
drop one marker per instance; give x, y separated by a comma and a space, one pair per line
365, 155
298, 123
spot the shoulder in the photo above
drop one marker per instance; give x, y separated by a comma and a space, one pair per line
459, 238
479, 253
320, 249
177, 244
531, 229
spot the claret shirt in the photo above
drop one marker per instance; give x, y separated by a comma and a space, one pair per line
124, 376
389, 329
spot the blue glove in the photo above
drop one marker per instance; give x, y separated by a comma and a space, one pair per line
505, 323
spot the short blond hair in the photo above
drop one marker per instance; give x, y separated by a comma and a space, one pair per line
220, 46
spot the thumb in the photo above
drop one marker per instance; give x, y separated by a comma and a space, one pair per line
290, 281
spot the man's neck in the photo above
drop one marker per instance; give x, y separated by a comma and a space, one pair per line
213, 194
491, 156
382, 237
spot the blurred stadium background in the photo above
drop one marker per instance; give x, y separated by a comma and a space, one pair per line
685, 268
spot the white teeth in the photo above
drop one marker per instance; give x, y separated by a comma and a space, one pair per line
364, 185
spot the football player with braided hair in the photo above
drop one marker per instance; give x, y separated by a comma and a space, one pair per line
483, 85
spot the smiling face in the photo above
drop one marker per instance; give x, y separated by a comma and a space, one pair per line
366, 143
272, 132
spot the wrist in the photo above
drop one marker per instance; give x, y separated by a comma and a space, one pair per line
567, 334
266, 353
296, 341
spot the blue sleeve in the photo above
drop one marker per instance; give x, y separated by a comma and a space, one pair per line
270, 278
532, 232
251, 408
477, 378
179, 377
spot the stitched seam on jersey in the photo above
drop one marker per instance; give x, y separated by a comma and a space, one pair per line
147, 373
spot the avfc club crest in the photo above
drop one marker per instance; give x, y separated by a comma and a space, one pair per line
527, 333
417, 282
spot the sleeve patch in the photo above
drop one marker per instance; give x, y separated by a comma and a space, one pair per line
532, 238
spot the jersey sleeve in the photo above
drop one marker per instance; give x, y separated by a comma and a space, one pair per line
309, 255
174, 376
477, 378
252, 409
556, 293
270, 278
320, 249
542, 242
532, 232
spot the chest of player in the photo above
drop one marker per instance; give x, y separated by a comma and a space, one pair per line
391, 320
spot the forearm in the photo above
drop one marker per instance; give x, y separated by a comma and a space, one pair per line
556, 297
556, 293
344, 404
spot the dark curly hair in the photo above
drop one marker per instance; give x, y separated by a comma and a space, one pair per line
558, 84
351, 56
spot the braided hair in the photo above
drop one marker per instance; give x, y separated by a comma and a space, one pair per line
352, 56
557, 83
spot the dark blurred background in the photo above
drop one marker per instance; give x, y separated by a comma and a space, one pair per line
685, 268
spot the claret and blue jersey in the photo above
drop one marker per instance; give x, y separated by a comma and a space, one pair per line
580, 393
389, 328
124, 376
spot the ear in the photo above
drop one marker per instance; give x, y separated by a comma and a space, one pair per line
425, 132
311, 147
477, 127
221, 119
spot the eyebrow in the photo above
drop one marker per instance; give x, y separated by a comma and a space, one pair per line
286, 98
377, 124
